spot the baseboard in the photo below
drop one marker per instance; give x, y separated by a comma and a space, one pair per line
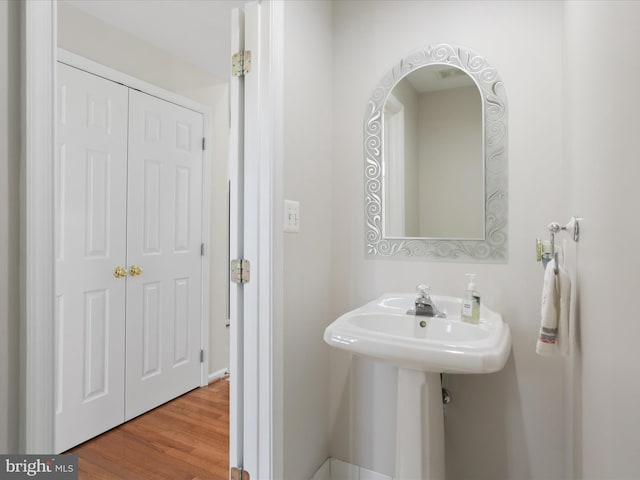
217, 375
324, 472
334, 469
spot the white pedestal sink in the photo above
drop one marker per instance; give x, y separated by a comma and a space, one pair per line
422, 348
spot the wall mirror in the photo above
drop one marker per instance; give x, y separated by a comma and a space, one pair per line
436, 159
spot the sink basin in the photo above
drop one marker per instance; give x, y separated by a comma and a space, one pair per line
382, 329
422, 348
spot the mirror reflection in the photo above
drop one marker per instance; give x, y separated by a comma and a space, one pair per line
435, 176
433, 168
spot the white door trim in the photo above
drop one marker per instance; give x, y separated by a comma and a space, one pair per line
108, 73
236, 218
255, 318
269, 456
393, 176
37, 256
39, 40
259, 451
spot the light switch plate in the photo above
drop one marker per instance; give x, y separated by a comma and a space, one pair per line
291, 216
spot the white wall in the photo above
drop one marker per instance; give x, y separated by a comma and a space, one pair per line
503, 425
9, 223
451, 163
603, 67
308, 275
520, 407
91, 38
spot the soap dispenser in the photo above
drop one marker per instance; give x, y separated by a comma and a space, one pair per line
470, 311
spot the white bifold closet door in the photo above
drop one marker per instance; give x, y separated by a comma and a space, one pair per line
128, 195
164, 236
90, 242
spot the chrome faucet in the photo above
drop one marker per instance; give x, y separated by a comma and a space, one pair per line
424, 305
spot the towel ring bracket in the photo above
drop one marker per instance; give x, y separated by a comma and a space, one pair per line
572, 227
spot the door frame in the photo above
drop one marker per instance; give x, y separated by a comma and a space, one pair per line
36, 255
39, 53
37, 260
261, 345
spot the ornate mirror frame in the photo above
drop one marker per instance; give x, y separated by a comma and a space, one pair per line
491, 249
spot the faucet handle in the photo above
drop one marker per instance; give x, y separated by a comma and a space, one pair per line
423, 290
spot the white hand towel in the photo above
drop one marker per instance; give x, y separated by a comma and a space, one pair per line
554, 327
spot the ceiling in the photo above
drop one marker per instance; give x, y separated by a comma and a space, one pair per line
436, 77
197, 31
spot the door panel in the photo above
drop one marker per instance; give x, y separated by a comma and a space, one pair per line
164, 221
90, 233
96, 344
151, 347
236, 243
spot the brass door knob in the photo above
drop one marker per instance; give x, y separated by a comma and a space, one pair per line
135, 270
120, 272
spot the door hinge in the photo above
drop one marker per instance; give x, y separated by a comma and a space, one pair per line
204, 143
241, 63
240, 271
201, 356
238, 474
202, 249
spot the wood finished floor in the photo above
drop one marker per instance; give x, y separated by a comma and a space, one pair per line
185, 439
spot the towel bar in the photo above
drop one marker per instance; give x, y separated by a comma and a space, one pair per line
572, 227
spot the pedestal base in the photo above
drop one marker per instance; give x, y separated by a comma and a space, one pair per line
420, 426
